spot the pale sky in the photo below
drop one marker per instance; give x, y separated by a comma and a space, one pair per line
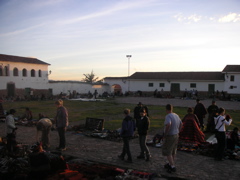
80, 36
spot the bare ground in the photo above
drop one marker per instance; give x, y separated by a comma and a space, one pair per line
189, 165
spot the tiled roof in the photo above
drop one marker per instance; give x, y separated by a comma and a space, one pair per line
232, 68
179, 75
10, 58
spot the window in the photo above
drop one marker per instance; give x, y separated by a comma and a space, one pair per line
161, 85
39, 73
232, 78
6, 70
193, 85
24, 73
150, 84
15, 72
32, 73
232, 87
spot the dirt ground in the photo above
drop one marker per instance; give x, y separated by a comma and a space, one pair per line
189, 165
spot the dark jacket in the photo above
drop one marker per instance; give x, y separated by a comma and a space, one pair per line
61, 117
143, 124
200, 110
128, 127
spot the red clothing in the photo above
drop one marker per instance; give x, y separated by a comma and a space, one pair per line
190, 131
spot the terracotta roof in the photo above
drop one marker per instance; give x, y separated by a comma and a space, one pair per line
10, 58
232, 68
179, 75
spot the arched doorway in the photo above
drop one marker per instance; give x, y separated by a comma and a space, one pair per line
117, 89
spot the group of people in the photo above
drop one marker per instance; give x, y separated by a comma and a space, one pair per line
172, 127
43, 127
189, 128
217, 121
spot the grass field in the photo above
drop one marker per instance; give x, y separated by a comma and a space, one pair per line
109, 110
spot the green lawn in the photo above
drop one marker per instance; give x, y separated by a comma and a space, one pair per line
109, 110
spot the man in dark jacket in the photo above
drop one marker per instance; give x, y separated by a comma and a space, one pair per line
143, 124
61, 120
127, 131
212, 111
137, 110
200, 112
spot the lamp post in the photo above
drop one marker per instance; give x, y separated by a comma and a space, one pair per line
128, 56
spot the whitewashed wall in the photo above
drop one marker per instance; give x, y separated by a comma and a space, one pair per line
28, 81
143, 85
80, 87
235, 83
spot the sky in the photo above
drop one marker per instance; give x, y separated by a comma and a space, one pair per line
82, 36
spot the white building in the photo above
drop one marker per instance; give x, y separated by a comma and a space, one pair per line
21, 76
176, 83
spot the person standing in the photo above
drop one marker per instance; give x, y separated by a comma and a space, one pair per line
44, 125
212, 111
137, 109
143, 124
172, 127
190, 131
61, 120
200, 111
220, 122
127, 131
11, 131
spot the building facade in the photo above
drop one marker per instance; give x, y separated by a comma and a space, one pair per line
22, 76
176, 83
28, 77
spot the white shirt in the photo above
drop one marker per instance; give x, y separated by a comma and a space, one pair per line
220, 123
10, 123
174, 121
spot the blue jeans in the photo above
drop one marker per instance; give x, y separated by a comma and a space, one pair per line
126, 148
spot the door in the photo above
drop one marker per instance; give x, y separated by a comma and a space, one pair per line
11, 89
175, 89
211, 89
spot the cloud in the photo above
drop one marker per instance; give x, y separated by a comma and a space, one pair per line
188, 19
109, 10
21, 30
231, 17
194, 18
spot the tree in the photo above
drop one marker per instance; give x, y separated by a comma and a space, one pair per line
90, 77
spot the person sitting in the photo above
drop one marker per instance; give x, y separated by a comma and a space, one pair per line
233, 140
27, 115
191, 131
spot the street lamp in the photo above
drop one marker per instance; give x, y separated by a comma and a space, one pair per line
128, 56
